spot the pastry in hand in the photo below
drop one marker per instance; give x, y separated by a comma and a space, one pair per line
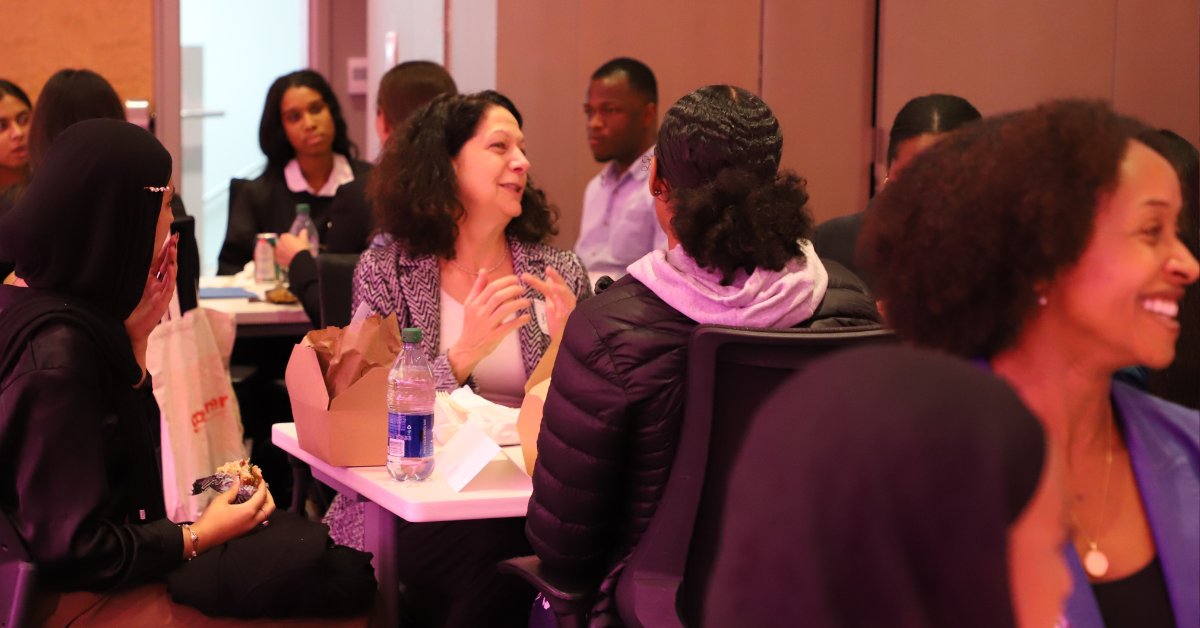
249, 474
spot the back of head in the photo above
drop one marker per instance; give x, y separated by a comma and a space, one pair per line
70, 96
960, 242
639, 75
409, 85
877, 487
934, 113
85, 226
718, 152
272, 138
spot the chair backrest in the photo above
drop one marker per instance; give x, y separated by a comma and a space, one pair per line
335, 276
16, 576
731, 371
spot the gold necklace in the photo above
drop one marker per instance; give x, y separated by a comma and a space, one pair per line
1095, 562
472, 273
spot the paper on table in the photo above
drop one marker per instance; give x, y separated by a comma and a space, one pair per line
465, 455
497, 421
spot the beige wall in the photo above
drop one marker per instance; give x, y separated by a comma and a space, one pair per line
338, 31
113, 38
812, 62
816, 75
547, 50
1141, 55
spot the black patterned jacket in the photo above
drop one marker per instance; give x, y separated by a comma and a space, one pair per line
389, 281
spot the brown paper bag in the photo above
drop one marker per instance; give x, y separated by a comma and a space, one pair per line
345, 355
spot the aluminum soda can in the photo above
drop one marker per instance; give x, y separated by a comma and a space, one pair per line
265, 268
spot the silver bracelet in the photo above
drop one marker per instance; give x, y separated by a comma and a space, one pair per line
195, 540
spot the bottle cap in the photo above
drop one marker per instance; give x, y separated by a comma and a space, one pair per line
410, 334
302, 208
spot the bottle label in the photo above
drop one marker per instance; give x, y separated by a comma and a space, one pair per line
412, 432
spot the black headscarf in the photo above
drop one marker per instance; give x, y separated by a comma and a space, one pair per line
82, 237
885, 501
84, 227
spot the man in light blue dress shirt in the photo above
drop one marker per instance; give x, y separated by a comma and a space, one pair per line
619, 224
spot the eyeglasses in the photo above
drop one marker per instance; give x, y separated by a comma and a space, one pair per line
644, 163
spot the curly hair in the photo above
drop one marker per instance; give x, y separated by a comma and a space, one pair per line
983, 218
68, 97
719, 150
414, 189
272, 138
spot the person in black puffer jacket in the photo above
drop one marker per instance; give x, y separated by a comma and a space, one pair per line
739, 254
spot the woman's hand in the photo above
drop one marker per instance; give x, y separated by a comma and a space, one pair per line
560, 299
289, 245
224, 520
156, 296
486, 314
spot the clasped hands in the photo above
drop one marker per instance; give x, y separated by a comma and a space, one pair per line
494, 309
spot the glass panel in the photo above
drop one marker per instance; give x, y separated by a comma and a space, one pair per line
231, 51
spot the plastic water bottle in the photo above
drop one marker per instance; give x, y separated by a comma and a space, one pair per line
304, 222
410, 397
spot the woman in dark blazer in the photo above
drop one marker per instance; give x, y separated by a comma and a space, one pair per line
309, 155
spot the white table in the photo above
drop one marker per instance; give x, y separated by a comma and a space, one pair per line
500, 490
256, 317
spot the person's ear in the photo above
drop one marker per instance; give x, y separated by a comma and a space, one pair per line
650, 115
659, 187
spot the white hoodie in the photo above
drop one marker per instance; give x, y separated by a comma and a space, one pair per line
763, 298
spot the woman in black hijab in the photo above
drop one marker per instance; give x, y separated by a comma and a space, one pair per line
895, 503
78, 427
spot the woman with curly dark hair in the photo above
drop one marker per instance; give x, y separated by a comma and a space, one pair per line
737, 232
467, 259
1045, 243
309, 155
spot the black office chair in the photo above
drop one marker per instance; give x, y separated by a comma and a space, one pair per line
17, 576
730, 372
335, 276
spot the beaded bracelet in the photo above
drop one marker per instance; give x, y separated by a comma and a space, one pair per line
195, 540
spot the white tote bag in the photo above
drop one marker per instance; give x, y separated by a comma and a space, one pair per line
188, 358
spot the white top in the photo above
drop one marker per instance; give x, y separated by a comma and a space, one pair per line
339, 176
499, 377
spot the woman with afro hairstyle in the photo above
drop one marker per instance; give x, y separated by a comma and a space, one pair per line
737, 232
1044, 242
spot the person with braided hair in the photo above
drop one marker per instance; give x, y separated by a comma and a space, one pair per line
737, 231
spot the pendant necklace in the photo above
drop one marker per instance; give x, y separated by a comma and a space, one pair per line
1095, 562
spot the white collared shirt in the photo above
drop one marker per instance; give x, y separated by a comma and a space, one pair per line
340, 175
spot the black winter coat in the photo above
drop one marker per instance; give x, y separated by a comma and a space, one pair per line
611, 421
